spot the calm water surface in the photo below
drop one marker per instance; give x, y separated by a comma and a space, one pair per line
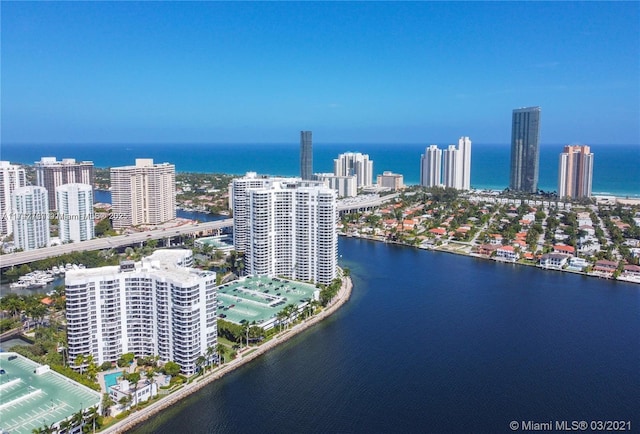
432, 342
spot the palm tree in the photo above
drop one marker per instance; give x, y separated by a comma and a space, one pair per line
107, 402
210, 352
124, 401
65, 425
79, 361
200, 361
221, 349
77, 418
91, 417
291, 313
281, 316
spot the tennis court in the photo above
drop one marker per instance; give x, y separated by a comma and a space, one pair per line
30, 400
260, 299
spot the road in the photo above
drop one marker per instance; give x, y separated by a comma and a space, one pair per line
18, 258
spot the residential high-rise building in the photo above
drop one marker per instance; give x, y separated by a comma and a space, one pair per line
355, 163
525, 144
306, 155
431, 167
288, 229
464, 149
11, 177
391, 180
75, 212
451, 168
143, 194
575, 172
51, 174
156, 307
30, 212
239, 204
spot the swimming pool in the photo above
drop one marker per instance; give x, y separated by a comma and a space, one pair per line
111, 379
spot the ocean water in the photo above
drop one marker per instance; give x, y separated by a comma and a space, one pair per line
616, 167
437, 343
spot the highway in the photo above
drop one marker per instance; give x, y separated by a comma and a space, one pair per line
19, 258
364, 202
11, 259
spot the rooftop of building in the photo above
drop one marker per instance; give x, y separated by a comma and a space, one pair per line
260, 299
31, 400
161, 262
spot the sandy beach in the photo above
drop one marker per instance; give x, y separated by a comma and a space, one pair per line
146, 413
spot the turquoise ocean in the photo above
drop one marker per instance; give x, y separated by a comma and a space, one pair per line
616, 167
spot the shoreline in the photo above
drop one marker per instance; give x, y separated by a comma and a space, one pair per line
140, 416
478, 256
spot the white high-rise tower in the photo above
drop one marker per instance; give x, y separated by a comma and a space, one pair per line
30, 208
431, 167
75, 212
355, 163
11, 177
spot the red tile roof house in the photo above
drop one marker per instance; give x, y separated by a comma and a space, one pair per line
605, 268
487, 249
496, 239
507, 253
438, 232
525, 223
632, 270
567, 250
554, 260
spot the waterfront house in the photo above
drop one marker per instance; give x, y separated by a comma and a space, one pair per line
577, 264
631, 271
507, 253
487, 249
554, 260
605, 268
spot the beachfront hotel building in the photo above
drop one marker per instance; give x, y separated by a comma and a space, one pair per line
355, 163
525, 149
30, 217
11, 177
75, 212
345, 186
156, 307
393, 181
448, 168
575, 172
51, 174
286, 227
306, 155
143, 194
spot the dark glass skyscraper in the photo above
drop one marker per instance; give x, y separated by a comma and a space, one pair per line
306, 155
525, 149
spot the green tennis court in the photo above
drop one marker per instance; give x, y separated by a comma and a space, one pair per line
29, 400
260, 299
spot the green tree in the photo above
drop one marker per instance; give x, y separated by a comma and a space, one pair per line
171, 368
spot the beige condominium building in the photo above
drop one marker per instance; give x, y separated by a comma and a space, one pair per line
143, 194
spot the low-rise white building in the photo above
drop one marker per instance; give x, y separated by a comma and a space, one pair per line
507, 253
345, 186
134, 394
554, 260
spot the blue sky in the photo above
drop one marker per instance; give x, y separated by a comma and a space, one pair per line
353, 72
